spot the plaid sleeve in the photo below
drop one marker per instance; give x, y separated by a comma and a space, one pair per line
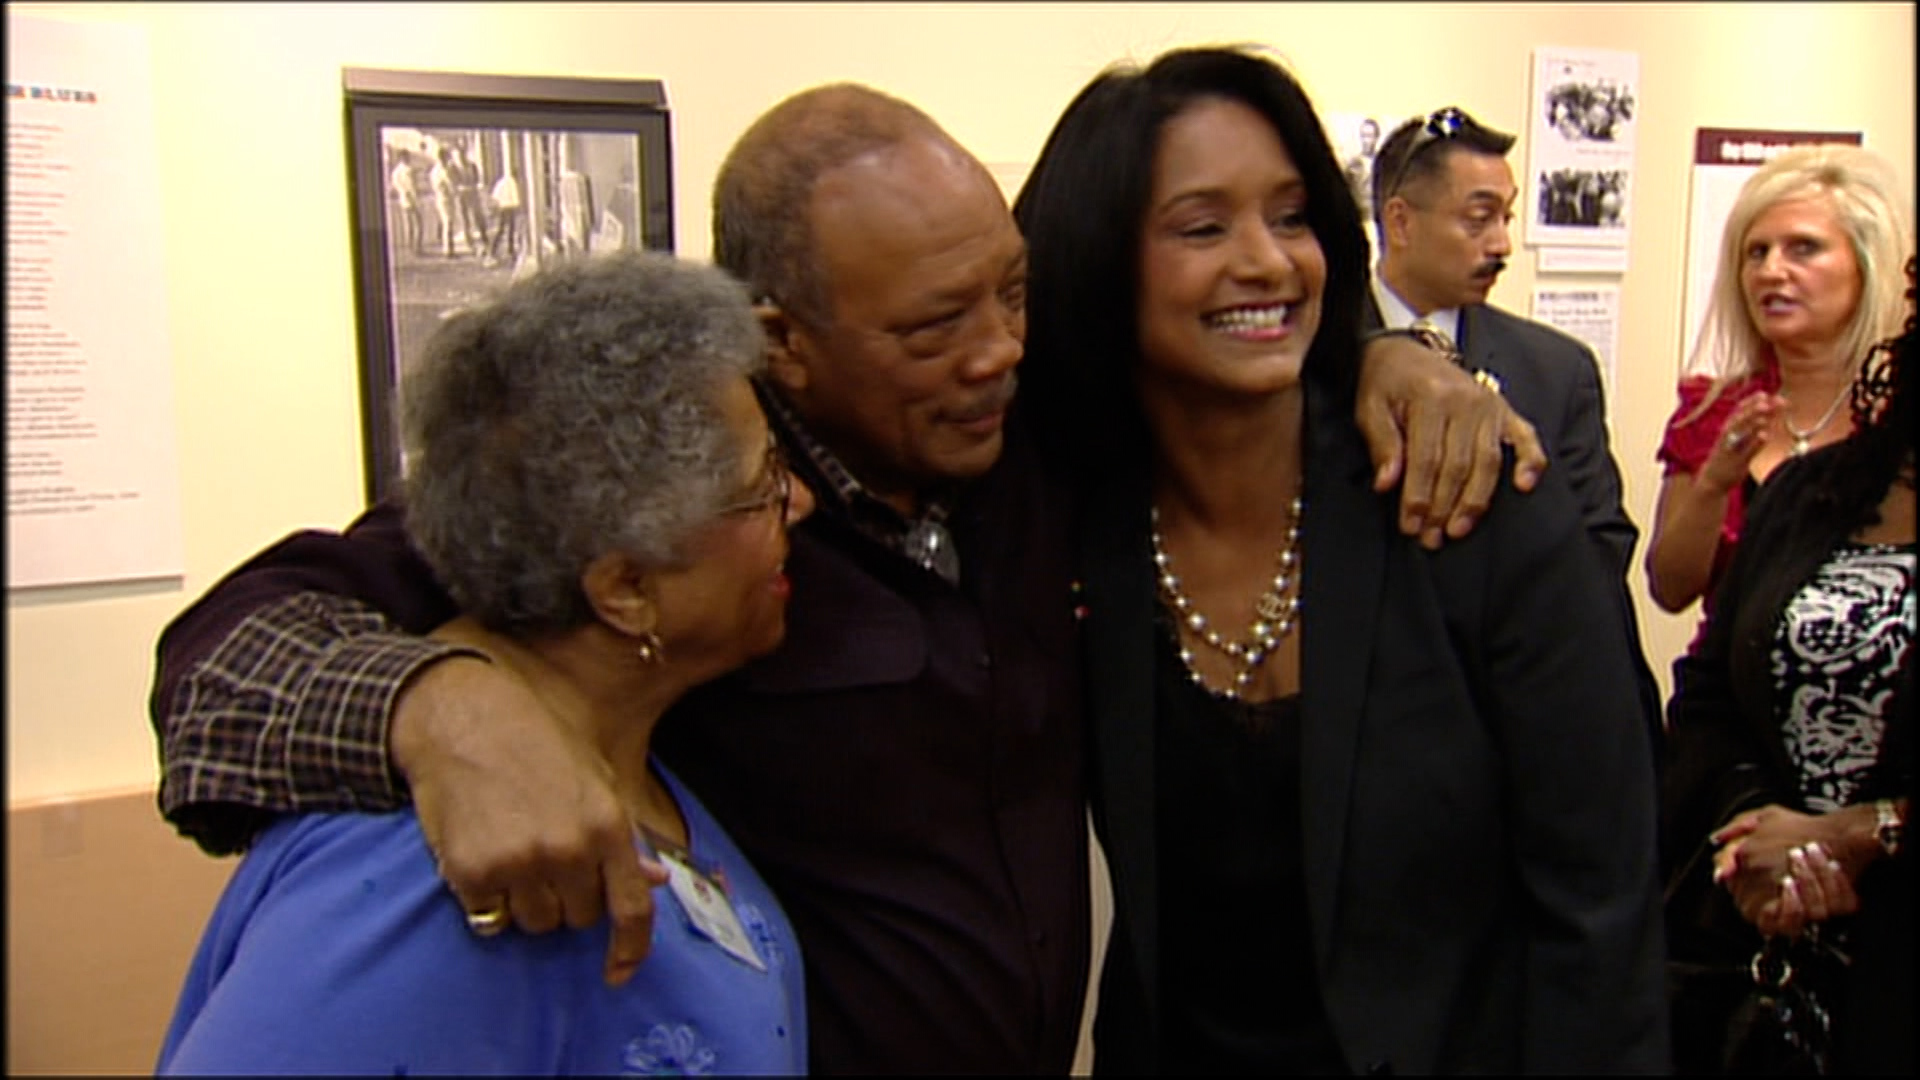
290, 712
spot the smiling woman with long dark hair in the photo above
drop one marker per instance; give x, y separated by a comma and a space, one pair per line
1367, 807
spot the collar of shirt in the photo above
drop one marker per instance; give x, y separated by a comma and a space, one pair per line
922, 540
1397, 314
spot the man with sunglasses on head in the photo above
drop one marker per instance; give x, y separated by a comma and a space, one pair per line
1443, 198
905, 771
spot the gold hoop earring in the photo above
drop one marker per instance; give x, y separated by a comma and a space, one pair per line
651, 649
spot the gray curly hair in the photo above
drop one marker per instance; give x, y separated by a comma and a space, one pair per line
577, 414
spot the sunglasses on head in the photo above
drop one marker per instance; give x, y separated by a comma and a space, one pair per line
1440, 125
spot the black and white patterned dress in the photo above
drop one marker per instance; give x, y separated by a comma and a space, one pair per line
1836, 652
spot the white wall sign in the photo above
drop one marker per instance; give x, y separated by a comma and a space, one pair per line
1581, 260
93, 486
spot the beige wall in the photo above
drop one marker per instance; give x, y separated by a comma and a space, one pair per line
259, 284
259, 281
104, 909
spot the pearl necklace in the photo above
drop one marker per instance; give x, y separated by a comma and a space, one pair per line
1276, 611
1803, 440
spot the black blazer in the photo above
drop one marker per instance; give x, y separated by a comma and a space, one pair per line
1553, 380
1477, 789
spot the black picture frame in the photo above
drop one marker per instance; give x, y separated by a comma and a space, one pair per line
590, 162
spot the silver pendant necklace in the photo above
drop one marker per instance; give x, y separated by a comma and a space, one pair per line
1803, 440
1276, 611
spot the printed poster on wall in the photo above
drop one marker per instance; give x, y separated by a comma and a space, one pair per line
1723, 158
1590, 313
1578, 188
92, 469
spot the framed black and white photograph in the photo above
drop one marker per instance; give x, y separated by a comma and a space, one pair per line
463, 183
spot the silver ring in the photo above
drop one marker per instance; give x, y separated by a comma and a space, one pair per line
1734, 439
487, 923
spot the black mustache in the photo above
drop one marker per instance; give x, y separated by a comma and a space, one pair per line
1490, 268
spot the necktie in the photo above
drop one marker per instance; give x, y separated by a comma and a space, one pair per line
1426, 326
1436, 338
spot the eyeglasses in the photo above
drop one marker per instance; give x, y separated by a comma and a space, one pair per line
1440, 124
776, 485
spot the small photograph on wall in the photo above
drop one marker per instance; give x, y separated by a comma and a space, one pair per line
1356, 139
1580, 149
1596, 110
1582, 198
464, 183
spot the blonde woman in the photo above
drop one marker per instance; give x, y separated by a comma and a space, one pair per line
1808, 280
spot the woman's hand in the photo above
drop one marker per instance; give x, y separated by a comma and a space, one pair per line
1817, 888
1786, 870
1692, 510
1747, 430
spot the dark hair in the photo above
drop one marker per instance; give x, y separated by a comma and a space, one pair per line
1870, 460
1406, 159
762, 225
1084, 208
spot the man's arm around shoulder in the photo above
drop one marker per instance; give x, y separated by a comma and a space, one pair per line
271, 693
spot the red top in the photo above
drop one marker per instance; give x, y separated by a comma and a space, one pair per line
1686, 447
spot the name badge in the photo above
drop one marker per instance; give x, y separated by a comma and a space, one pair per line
705, 900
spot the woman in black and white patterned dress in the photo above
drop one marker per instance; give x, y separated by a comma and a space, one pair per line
1790, 742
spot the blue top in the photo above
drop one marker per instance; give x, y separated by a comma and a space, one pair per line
337, 949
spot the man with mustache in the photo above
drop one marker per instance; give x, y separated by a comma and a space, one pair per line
905, 771
1443, 196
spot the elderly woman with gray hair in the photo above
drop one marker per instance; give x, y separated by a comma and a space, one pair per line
592, 478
